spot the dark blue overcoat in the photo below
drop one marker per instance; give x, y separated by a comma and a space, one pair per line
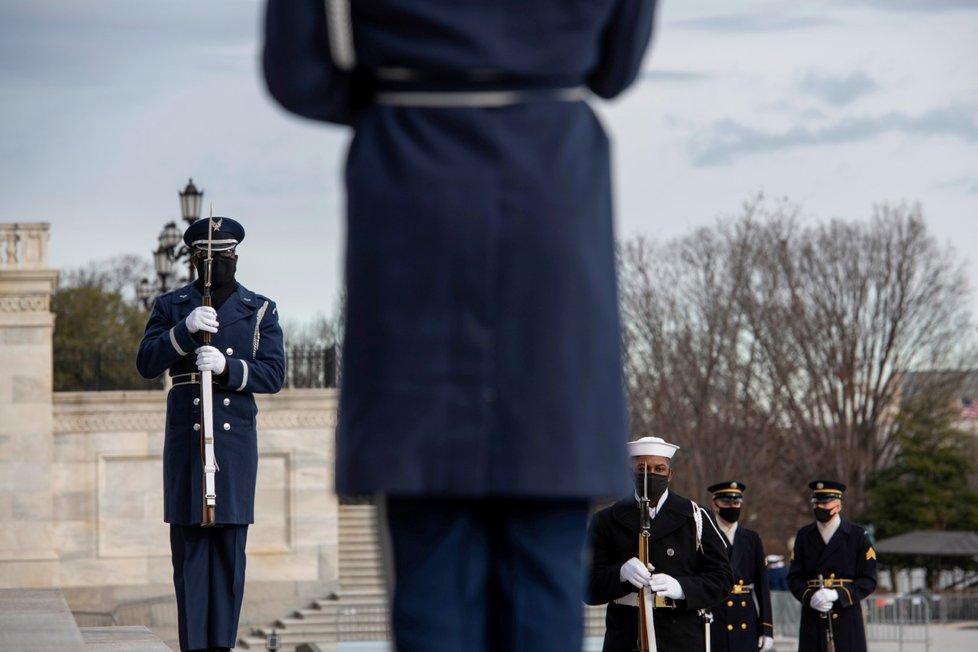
741, 618
482, 352
250, 338
848, 557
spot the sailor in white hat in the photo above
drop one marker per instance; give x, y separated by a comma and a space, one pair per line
688, 568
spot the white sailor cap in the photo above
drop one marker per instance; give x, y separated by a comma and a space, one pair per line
651, 446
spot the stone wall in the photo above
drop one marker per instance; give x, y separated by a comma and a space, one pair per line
106, 479
27, 532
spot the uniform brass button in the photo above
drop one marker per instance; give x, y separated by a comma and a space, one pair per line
743, 604
835, 616
729, 628
743, 625
230, 351
196, 401
227, 426
227, 401
196, 426
729, 603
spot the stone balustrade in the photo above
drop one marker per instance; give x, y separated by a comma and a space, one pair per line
24, 245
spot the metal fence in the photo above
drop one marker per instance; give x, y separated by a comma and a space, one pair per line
371, 622
363, 622
95, 369
311, 366
903, 619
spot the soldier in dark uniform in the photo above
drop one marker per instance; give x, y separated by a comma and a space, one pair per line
742, 622
833, 568
246, 356
482, 380
690, 568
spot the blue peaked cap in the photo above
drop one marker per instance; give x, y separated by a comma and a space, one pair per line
227, 234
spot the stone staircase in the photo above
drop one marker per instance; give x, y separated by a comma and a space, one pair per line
359, 611
39, 620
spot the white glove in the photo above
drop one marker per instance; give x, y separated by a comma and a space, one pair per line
765, 643
667, 585
635, 572
827, 596
202, 318
210, 359
822, 600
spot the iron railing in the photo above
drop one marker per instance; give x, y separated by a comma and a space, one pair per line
93, 369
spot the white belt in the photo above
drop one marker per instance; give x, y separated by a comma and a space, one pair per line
479, 99
661, 602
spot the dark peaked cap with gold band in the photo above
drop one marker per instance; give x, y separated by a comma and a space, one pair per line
729, 490
227, 234
826, 490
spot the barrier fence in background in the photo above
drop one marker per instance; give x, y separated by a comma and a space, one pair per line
100, 370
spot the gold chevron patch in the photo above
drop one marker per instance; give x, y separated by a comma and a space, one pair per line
870, 554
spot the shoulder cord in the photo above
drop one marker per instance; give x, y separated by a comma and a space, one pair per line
261, 313
698, 519
706, 615
339, 24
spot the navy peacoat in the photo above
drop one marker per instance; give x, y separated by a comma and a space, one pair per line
704, 575
250, 338
482, 352
848, 563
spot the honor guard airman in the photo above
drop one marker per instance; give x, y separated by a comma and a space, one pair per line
245, 356
833, 568
742, 621
482, 381
688, 567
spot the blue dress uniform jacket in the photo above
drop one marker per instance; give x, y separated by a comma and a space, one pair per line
482, 328
848, 563
250, 338
705, 576
745, 615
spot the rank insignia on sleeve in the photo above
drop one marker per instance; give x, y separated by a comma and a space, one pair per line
870, 554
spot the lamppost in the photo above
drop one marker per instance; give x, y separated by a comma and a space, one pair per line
170, 249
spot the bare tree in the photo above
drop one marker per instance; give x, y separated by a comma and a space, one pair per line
841, 311
775, 353
118, 274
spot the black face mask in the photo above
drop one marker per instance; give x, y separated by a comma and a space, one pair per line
222, 271
657, 485
823, 515
729, 514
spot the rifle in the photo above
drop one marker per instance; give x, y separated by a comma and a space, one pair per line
829, 635
207, 459
646, 599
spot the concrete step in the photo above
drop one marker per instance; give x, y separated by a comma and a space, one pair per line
37, 620
131, 638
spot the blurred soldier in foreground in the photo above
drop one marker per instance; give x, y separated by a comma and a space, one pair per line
688, 568
742, 622
482, 381
833, 567
245, 356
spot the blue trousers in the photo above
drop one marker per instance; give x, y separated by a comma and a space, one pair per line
209, 578
489, 575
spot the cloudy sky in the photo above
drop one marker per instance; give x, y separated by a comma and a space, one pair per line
108, 106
